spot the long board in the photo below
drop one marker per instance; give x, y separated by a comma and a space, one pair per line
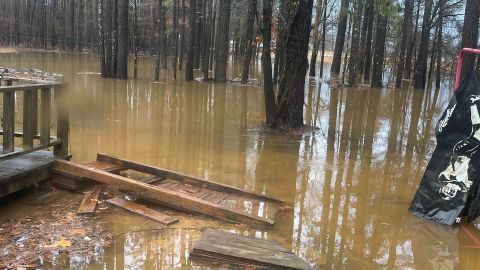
164, 196
143, 211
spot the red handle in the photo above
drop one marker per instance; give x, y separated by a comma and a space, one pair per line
459, 65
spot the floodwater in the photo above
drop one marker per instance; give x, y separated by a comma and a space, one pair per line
349, 183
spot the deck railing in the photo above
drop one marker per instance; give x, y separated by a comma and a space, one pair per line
9, 86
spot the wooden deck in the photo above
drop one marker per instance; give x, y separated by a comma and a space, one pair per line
24, 171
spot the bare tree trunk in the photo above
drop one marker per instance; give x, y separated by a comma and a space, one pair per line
252, 10
340, 40
379, 50
212, 35
368, 43
101, 35
269, 96
72, 25
206, 39
324, 31
175, 38
410, 51
158, 40
135, 41
284, 20
292, 82
420, 76
406, 27
440, 43
163, 36
198, 34
470, 34
222, 41
355, 44
315, 39
182, 35
122, 57
191, 45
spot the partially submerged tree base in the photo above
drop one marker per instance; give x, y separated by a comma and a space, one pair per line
289, 131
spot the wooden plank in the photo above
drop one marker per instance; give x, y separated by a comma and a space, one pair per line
90, 200
29, 87
8, 120
105, 166
45, 101
28, 118
143, 210
246, 251
185, 178
164, 196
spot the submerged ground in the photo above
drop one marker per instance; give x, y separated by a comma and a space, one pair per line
350, 182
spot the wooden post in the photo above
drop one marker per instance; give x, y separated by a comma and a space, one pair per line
63, 129
45, 116
29, 115
8, 120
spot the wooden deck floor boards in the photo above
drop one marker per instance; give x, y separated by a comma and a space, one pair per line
23, 171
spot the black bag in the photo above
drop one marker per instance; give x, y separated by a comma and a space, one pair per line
449, 188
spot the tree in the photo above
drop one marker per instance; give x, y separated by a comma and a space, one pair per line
324, 32
191, 45
269, 96
315, 39
135, 40
222, 41
159, 39
286, 12
292, 82
420, 76
122, 57
367, 60
175, 39
354, 49
470, 34
252, 10
340, 40
379, 46
440, 42
406, 26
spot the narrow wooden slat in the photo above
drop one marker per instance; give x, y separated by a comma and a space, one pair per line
90, 200
29, 114
105, 166
164, 196
16, 88
143, 211
8, 120
53, 142
185, 178
62, 122
45, 101
18, 134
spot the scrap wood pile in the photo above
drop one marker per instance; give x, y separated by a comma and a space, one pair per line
192, 195
171, 189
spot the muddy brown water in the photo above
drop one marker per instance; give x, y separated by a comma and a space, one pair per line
350, 182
